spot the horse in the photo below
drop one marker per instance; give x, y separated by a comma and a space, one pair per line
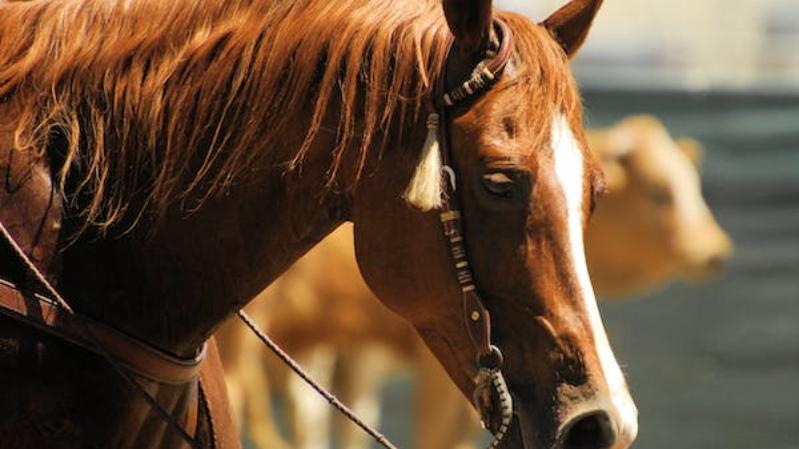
323, 313
167, 160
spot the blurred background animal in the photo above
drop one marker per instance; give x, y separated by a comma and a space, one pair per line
651, 227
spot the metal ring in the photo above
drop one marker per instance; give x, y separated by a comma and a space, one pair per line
491, 361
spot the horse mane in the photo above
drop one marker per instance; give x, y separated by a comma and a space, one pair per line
174, 100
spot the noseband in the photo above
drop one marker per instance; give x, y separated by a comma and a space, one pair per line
491, 395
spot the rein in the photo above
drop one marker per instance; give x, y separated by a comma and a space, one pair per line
127, 356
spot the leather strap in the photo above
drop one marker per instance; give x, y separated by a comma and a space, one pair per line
44, 314
491, 395
53, 314
476, 316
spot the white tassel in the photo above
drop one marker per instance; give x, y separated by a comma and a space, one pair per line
424, 190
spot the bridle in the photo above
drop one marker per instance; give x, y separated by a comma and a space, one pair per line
129, 356
491, 396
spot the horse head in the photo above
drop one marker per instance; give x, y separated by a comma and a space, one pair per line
526, 183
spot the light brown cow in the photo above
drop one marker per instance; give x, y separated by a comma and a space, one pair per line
652, 226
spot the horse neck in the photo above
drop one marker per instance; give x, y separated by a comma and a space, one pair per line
174, 284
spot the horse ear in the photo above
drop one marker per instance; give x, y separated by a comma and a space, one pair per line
570, 24
469, 21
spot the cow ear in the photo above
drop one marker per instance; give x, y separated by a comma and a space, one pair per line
570, 24
470, 23
692, 149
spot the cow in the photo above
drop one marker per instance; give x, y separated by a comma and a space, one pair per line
653, 225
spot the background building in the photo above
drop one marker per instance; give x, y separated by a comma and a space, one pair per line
691, 44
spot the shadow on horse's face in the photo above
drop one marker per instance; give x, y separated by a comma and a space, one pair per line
526, 183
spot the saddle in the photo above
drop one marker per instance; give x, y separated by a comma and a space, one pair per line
191, 391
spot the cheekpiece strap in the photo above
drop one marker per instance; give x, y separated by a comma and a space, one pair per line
476, 316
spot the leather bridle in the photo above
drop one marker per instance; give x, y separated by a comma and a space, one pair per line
491, 396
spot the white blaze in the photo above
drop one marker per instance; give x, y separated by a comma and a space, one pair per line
569, 167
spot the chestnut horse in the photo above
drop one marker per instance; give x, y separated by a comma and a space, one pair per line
196, 149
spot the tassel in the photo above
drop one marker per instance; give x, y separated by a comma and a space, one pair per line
424, 190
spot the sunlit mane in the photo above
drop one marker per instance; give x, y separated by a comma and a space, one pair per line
166, 99
547, 92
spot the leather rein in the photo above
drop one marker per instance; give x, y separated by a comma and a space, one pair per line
130, 356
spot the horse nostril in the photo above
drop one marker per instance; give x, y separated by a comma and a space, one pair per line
593, 431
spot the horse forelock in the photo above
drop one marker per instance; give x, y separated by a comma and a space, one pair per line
178, 98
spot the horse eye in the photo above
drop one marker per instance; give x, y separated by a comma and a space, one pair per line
498, 184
